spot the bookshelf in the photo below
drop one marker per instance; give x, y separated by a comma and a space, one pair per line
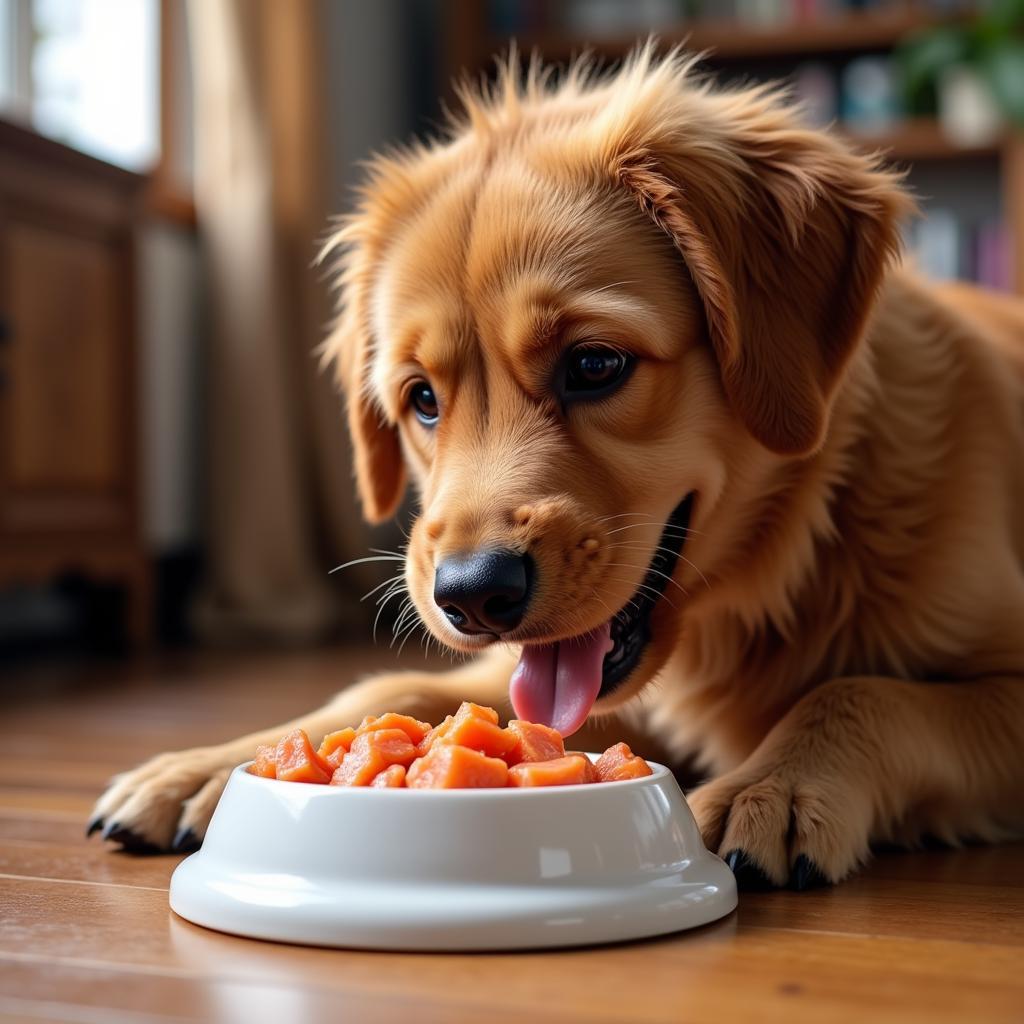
919, 139
774, 50
732, 40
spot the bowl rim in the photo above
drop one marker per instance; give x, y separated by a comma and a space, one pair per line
658, 773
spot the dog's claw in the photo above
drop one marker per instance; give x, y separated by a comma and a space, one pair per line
749, 876
186, 841
806, 875
130, 841
94, 826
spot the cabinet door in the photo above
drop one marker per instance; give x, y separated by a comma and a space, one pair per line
65, 450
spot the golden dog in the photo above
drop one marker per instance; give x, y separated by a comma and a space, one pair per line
691, 450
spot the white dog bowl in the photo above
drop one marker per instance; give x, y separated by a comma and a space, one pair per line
469, 869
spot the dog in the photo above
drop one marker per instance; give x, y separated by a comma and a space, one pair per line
698, 463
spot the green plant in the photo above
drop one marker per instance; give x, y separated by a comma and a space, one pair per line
991, 44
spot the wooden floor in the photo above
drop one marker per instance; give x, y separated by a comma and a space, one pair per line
86, 934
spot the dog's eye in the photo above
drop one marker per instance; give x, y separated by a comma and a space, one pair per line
424, 403
594, 369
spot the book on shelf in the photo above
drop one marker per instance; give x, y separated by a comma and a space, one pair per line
993, 256
945, 247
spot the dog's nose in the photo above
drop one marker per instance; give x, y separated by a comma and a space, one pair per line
485, 591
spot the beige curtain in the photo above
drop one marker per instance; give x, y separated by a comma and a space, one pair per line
281, 508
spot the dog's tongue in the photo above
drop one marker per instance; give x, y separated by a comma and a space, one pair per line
557, 684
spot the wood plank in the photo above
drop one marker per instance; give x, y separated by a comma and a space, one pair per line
922, 910
982, 865
103, 995
30, 827
63, 805
729, 970
70, 776
85, 861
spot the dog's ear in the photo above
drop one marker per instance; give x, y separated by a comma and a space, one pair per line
786, 233
378, 463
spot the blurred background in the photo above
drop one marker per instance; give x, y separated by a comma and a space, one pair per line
174, 470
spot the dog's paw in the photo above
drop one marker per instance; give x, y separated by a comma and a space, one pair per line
801, 810
163, 805
781, 825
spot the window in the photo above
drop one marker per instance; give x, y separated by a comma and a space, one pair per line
85, 72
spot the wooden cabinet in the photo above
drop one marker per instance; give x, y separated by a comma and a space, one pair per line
69, 480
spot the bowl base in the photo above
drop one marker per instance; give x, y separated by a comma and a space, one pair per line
449, 919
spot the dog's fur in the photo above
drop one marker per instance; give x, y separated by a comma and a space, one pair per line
842, 648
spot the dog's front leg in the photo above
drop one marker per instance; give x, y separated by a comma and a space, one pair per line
864, 760
167, 802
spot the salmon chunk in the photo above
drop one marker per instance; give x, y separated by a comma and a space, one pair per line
371, 753
425, 744
297, 761
470, 729
265, 763
393, 777
571, 770
451, 767
533, 742
412, 728
336, 745
619, 762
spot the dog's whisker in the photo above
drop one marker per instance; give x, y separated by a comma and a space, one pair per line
409, 632
636, 606
669, 579
657, 572
656, 595
397, 586
604, 604
411, 614
406, 610
619, 546
385, 601
403, 611
380, 586
668, 551
621, 529
696, 570
370, 558
669, 529
398, 623
401, 638
622, 515
641, 586
381, 603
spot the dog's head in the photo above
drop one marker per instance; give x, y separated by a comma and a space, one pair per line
568, 325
